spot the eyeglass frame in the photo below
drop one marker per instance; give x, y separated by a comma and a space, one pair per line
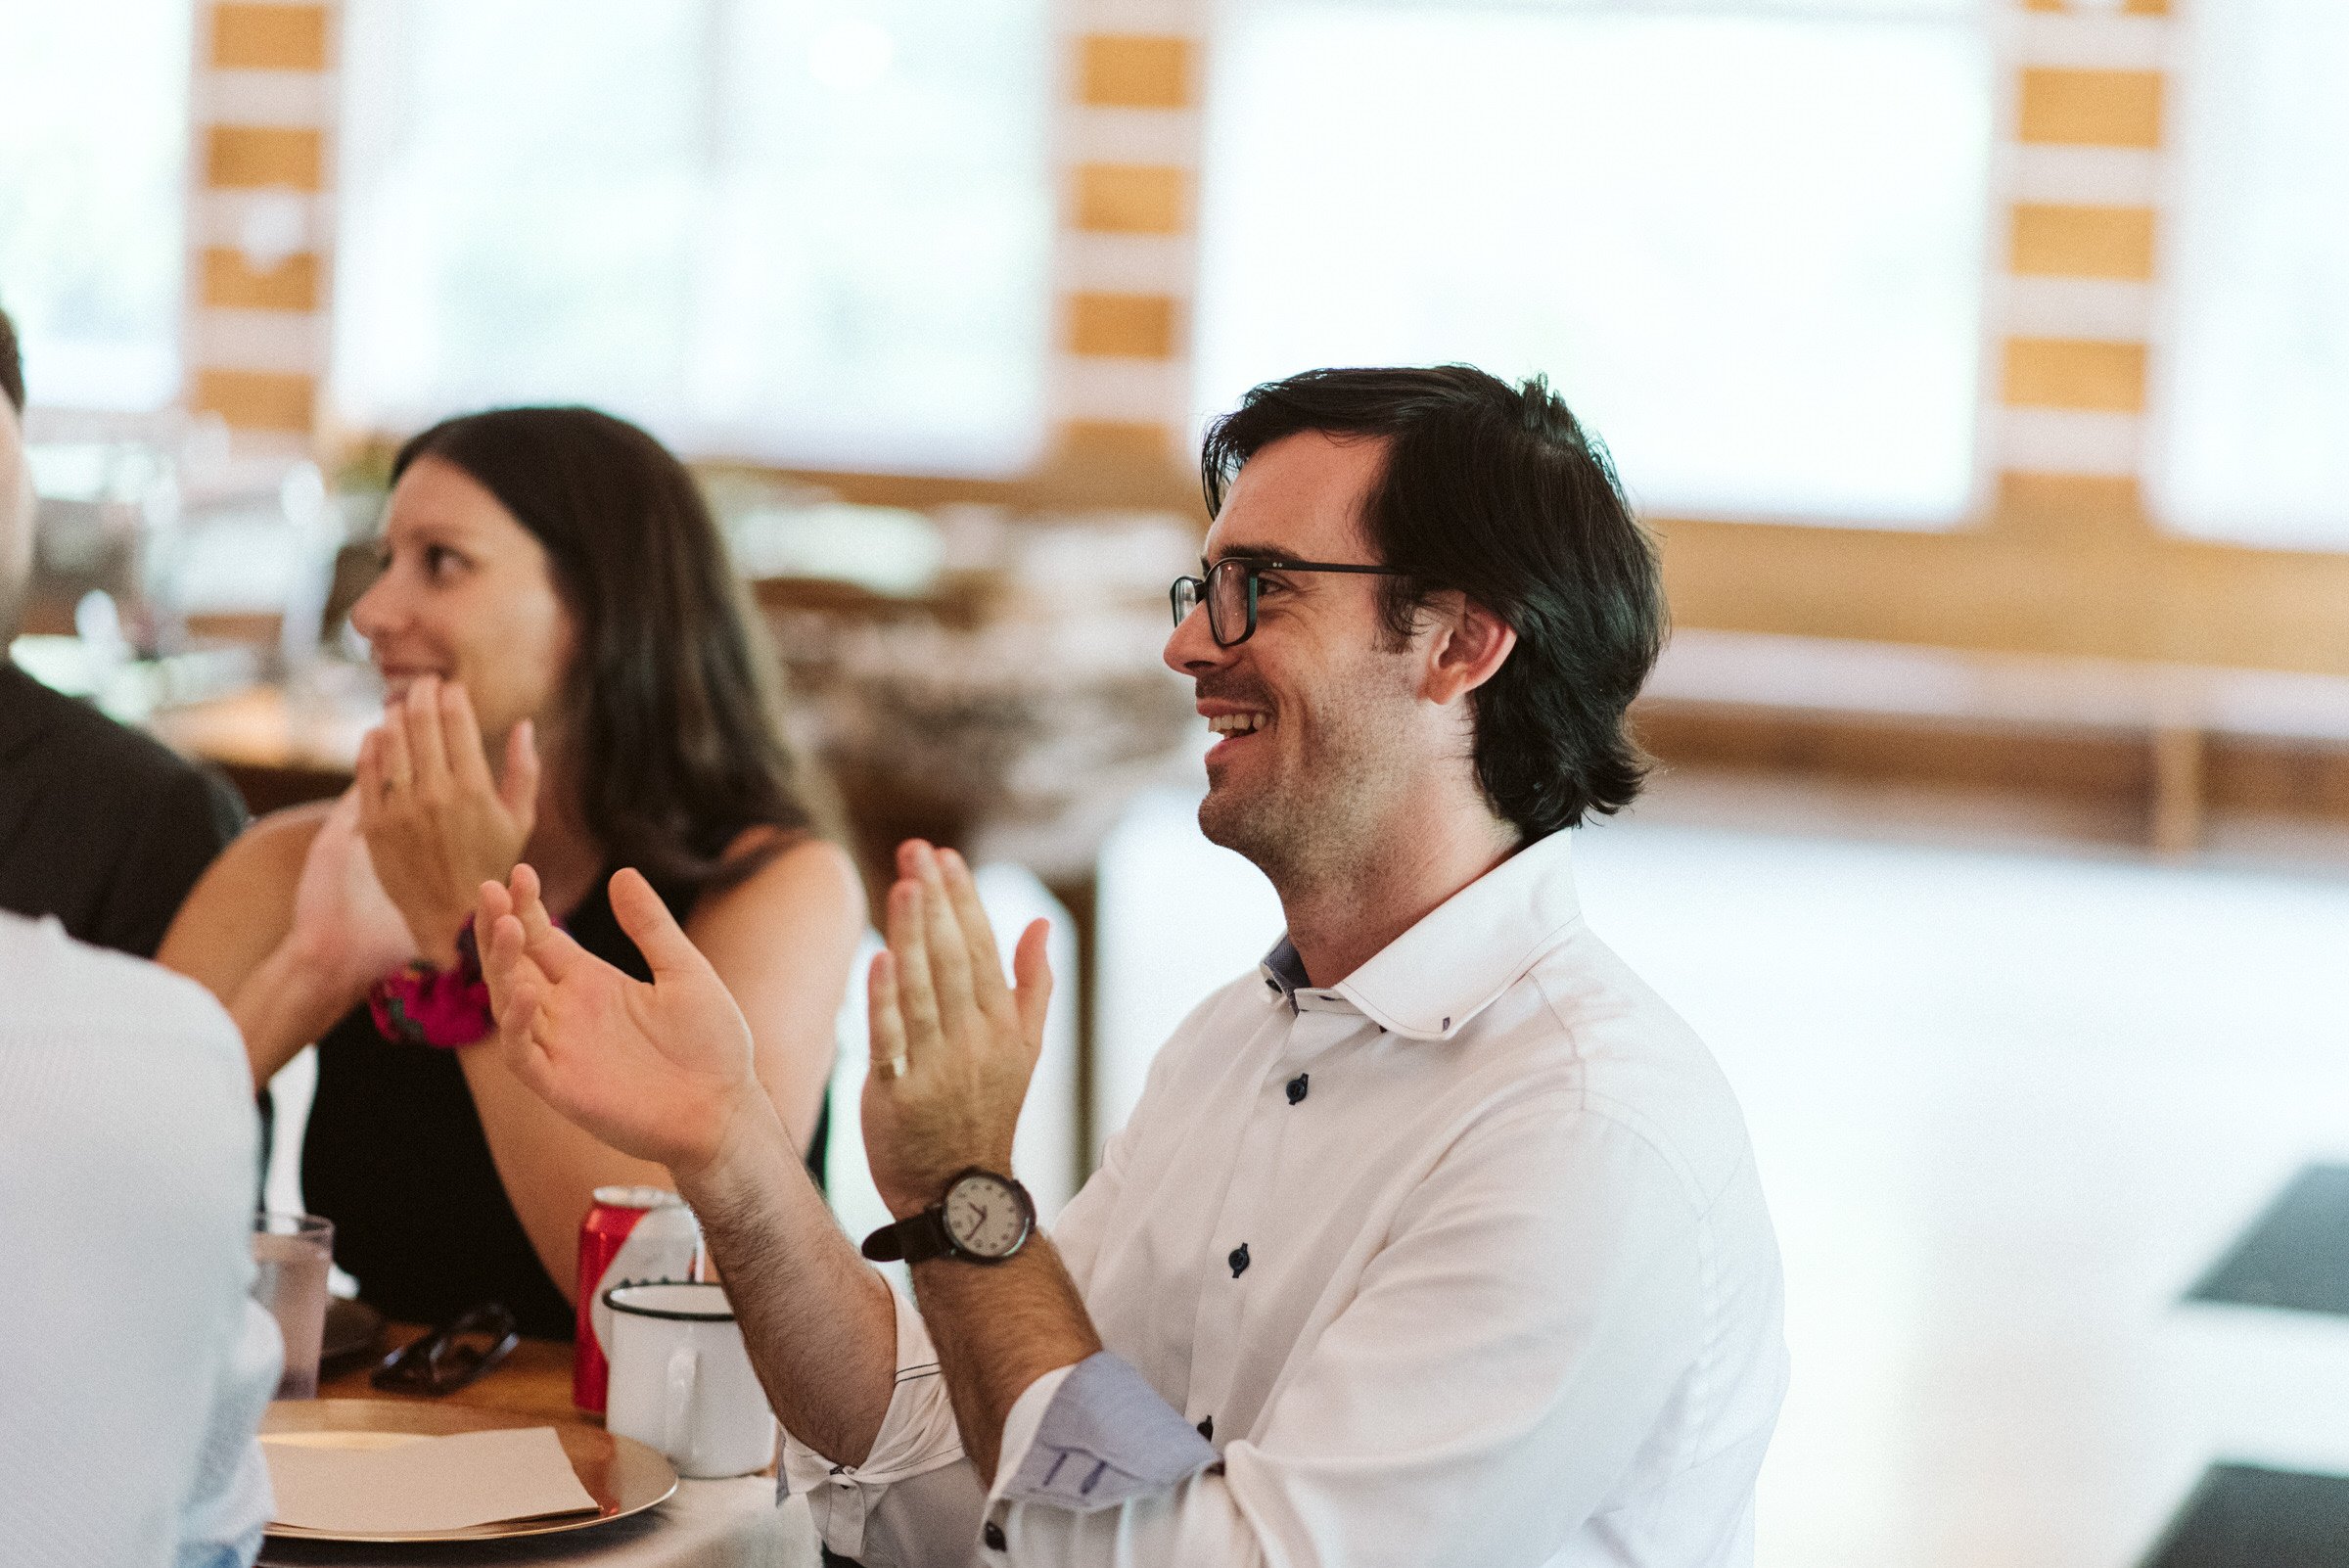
1252, 567
442, 1361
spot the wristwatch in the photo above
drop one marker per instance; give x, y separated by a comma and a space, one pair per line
984, 1219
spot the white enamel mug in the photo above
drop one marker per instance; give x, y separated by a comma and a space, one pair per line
681, 1381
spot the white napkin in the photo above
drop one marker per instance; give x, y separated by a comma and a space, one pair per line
423, 1484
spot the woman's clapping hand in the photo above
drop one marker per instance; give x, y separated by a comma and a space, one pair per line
438, 824
346, 931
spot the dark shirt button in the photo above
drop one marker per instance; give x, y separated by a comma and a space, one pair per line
1238, 1260
1206, 1429
993, 1535
1297, 1086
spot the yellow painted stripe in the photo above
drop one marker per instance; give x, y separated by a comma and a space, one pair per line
1114, 440
2091, 108
1125, 72
263, 37
232, 283
2081, 241
256, 399
2068, 373
2135, 8
1132, 198
1133, 326
237, 156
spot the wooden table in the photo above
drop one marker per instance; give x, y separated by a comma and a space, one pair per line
536, 1380
708, 1524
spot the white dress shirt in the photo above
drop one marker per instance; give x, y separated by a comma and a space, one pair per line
134, 1369
1460, 1262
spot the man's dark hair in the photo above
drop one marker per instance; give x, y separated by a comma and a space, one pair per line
1498, 494
12, 363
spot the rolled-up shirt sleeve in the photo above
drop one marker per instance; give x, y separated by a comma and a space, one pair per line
895, 1511
1476, 1403
917, 1501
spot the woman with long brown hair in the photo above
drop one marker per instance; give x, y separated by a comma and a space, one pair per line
554, 594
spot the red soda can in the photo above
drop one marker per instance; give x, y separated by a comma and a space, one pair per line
630, 1236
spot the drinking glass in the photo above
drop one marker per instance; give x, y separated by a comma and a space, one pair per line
291, 1253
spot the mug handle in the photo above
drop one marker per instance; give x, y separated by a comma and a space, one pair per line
684, 1371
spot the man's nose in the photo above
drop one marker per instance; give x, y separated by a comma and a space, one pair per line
1192, 647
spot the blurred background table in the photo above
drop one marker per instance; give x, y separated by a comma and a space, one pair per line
278, 746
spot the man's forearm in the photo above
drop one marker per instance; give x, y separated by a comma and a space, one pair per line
998, 1328
819, 1321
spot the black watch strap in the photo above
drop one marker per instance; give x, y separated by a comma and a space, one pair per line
918, 1238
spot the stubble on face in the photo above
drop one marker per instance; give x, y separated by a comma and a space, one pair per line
1320, 808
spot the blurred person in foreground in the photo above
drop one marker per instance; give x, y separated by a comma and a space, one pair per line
1436, 1241
100, 826
134, 1366
554, 594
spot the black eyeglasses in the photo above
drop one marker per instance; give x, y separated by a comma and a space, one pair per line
1228, 590
452, 1356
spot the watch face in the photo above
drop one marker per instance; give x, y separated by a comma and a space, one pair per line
986, 1215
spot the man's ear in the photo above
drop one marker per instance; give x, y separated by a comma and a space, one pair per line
1468, 644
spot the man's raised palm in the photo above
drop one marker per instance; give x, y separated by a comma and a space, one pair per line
659, 1071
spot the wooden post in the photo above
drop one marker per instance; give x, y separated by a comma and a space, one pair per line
1081, 895
2176, 791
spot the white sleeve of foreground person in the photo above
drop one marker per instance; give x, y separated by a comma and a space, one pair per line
134, 1368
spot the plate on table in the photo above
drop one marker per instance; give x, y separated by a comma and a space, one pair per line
353, 1331
623, 1476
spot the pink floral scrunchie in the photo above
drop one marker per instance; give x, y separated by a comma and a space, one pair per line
424, 1004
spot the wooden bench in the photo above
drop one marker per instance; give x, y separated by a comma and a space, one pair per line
2174, 711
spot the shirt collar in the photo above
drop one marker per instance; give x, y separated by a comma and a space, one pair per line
1284, 971
1430, 981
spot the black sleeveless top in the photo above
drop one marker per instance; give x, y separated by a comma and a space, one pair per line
395, 1157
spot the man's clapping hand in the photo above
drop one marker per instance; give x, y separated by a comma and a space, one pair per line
952, 1045
660, 1071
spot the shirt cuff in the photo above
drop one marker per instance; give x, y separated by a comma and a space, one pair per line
1019, 1427
1092, 1436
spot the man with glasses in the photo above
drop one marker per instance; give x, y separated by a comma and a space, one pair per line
1436, 1241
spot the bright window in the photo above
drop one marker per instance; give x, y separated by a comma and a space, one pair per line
775, 229
1744, 241
93, 150
2253, 410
